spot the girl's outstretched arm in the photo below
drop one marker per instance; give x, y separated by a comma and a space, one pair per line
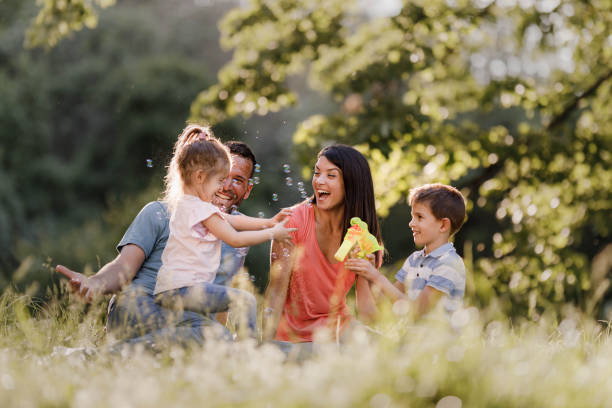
225, 232
246, 223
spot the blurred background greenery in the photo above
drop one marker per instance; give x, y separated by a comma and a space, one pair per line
507, 100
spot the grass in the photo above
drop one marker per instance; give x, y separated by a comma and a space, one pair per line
471, 362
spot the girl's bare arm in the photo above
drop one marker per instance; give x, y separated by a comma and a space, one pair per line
225, 232
246, 223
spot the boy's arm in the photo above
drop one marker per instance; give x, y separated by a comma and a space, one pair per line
365, 269
427, 300
110, 278
442, 281
400, 286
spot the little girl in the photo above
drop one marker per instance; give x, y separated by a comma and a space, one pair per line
198, 168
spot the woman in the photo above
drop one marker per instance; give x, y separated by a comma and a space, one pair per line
308, 287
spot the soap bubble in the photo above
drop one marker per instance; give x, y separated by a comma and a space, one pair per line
251, 182
149, 163
289, 181
300, 185
257, 168
286, 168
260, 214
450, 401
380, 401
274, 197
256, 180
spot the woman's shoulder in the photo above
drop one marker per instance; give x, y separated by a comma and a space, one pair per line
302, 212
301, 218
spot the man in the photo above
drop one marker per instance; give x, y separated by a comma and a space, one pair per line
133, 315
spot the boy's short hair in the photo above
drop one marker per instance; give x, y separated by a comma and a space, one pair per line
444, 202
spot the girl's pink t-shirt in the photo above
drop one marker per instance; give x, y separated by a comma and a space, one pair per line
316, 297
192, 253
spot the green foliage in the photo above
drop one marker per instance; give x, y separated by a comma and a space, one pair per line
77, 125
509, 102
272, 39
58, 18
506, 100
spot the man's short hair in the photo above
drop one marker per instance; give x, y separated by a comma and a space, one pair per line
444, 202
242, 149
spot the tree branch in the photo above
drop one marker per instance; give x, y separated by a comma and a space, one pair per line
557, 120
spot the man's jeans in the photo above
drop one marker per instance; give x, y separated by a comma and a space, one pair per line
207, 298
137, 319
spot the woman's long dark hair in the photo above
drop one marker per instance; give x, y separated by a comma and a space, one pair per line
358, 188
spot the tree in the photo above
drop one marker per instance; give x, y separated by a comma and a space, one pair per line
58, 18
506, 100
87, 127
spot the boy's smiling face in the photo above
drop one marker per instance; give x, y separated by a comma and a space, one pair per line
427, 230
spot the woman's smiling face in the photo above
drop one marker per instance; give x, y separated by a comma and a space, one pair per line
328, 184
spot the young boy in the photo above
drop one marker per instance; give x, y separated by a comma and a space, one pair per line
436, 271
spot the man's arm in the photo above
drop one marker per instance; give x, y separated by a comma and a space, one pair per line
110, 278
281, 264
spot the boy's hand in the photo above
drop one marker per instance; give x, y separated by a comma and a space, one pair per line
284, 213
363, 267
80, 284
